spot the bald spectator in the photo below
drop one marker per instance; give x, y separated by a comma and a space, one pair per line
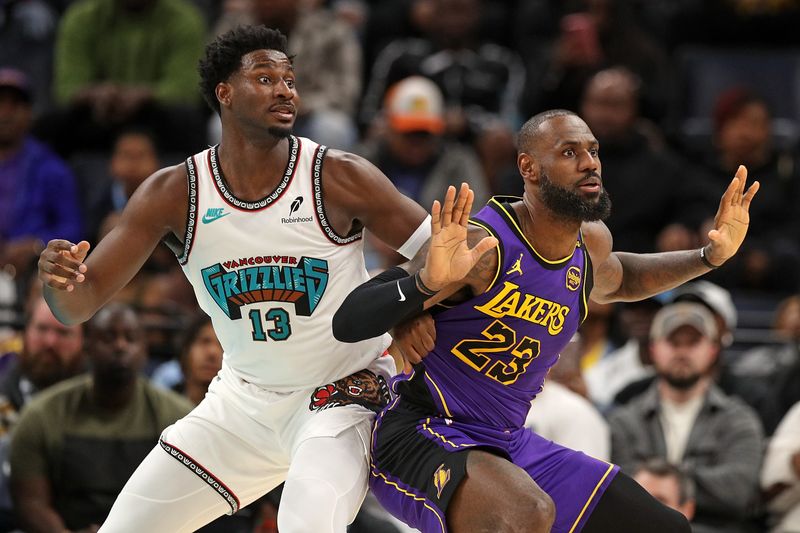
77, 443
657, 206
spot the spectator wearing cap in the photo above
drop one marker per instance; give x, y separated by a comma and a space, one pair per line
716, 300
38, 198
408, 144
685, 418
743, 134
412, 150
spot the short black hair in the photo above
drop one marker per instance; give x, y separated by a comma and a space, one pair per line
527, 133
223, 56
660, 467
140, 130
191, 332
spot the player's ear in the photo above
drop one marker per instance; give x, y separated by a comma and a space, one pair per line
223, 92
528, 167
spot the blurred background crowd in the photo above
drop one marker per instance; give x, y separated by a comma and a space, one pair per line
694, 392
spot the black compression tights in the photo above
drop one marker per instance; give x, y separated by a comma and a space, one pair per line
626, 507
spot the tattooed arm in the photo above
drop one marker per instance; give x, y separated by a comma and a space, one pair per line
620, 276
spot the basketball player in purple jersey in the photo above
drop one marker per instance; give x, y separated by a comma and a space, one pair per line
450, 453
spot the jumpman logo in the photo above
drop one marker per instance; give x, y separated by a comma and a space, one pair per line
516, 267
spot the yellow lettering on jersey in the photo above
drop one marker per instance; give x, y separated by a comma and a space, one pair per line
534, 309
488, 306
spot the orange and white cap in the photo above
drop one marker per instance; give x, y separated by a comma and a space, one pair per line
415, 104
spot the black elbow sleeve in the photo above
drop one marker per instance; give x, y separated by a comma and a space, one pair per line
377, 306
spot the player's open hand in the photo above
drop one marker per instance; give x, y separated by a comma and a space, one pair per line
449, 257
61, 264
732, 219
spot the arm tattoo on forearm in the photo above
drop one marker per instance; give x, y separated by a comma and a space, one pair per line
645, 275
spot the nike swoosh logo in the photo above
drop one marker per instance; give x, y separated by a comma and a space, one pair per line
402, 296
207, 219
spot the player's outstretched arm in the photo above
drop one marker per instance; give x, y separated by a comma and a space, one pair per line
76, 286
623, 276
381, 303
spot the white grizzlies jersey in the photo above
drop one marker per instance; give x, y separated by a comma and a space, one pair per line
272, 273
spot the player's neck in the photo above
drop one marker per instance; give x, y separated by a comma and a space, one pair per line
252, 166
553, 237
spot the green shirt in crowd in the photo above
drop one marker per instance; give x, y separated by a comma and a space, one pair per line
157, 48
88, 453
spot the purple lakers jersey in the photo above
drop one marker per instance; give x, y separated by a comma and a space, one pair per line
492, 352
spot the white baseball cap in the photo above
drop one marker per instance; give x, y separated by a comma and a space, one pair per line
415, 104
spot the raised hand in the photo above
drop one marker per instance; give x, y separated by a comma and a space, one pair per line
732, 219
61, 264
449, 257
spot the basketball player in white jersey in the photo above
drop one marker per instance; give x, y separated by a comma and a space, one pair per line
268, 228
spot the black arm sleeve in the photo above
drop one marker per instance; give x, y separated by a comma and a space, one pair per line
378, 305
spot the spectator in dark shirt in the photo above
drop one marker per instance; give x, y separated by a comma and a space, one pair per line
770, 260
657, 206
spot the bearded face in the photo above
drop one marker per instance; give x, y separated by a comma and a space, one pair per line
571, 203
684, 357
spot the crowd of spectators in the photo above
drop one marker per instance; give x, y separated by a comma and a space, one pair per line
695, 393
